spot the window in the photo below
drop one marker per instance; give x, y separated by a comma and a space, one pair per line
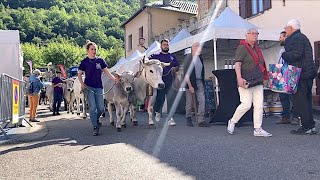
248, 8
129, 42
141, 32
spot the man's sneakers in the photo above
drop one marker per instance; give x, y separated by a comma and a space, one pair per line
171, 122
261, 133
231, 126
189, 122
158, 116
95, 131
295, 121
304, 131
284, 120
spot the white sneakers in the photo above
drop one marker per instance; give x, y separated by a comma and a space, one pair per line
158, 116
261, 133
257, 132
171, 122
231, 126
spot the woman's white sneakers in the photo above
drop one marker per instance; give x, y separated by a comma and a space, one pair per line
257, 132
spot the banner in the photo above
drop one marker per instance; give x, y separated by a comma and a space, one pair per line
63, 71
15, 102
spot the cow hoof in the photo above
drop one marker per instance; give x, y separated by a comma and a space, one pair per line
135, 123
118, 129
84, 117
67, 112
78, 114
112, 123
72, 113
153, 126
124, 126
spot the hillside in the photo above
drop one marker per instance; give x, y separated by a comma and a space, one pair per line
46, 25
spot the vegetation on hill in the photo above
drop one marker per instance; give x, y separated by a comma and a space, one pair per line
56, 30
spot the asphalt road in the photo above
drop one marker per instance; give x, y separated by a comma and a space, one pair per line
62, 147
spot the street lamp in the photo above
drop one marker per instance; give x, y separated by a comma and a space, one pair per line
141, 42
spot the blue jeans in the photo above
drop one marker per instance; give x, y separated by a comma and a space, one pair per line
286, 101
96, 106
57, 99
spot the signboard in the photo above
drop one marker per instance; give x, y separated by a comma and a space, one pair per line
209, 94
15, 102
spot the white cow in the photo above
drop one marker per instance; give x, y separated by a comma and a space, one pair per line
120, 95
49, 94
148, 72
79, 95
68, 94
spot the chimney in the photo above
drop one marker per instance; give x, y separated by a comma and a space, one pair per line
142, 3
166, 2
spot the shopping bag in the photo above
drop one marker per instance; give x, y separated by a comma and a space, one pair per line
284, 78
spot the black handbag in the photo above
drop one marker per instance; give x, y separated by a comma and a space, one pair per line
253, 77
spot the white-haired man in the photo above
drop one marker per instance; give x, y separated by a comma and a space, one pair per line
251, 72
299, 53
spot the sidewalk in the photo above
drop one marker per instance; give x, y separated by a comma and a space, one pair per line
26, 134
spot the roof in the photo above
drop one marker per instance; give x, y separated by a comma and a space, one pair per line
179, 6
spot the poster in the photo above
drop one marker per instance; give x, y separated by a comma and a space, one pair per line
15, 102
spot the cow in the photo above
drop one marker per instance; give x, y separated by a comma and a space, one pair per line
49, 94
79, 95
148, 72
120, 95
68, 94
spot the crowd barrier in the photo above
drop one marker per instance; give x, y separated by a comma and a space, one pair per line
12, 102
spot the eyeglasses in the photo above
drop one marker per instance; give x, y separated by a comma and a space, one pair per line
253, 33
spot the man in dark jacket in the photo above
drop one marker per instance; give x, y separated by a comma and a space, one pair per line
298, 52
194, 76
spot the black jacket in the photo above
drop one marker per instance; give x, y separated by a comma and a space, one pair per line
298, 52
187, 62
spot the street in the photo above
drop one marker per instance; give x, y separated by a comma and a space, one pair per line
62, 147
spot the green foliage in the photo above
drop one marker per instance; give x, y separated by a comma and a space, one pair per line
56, 30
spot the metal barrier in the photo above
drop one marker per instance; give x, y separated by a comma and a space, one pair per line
12, 101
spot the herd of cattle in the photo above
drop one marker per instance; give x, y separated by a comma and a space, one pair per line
123, 96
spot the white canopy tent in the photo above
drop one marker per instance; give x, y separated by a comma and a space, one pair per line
131, 62
153, 48
180, 36
228, 25
11, 58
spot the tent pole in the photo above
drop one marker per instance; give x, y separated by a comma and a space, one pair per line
216, 68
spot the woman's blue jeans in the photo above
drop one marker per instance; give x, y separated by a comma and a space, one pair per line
96, 106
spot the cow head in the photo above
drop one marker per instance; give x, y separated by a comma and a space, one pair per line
69, 84
126, 80
153, 72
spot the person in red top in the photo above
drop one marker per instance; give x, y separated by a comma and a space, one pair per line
251, 72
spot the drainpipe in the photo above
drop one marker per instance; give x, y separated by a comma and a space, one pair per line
150, 32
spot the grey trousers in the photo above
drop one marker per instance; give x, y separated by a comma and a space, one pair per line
199, 93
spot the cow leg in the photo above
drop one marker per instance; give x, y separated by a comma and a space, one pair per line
78, 105
123, 118
110, 114
150, 112
133, 115
119, 115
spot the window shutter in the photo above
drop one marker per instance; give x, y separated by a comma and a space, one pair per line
266, 4
242, 9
